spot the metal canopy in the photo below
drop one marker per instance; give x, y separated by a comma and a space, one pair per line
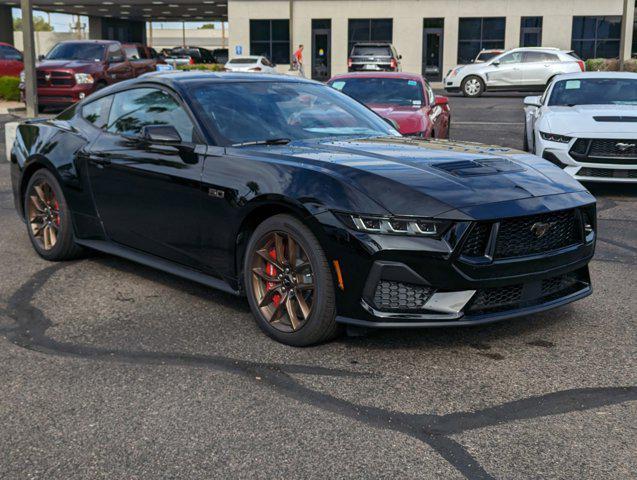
148, 10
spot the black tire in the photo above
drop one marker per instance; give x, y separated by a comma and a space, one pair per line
472, 86
320, 325
64, 247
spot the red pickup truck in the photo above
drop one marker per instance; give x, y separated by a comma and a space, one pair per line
73, 70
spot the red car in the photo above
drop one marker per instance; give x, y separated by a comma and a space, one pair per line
144, 59
74, 69
10, 61
404, 98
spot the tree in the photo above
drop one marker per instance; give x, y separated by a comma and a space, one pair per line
39, 24
207, 26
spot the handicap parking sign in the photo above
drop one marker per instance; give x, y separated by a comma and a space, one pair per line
238, 49
164, 67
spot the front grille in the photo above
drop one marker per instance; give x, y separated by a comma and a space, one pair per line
512, 297
519, 236
522, 236
607, 173
399, 296
601, 150
55, 79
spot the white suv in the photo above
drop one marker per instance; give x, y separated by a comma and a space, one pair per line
519, 69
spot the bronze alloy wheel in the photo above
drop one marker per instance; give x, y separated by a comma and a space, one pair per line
44, 215
283, 281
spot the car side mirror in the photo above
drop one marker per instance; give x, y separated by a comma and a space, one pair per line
441, 100
161, 134
496, 63
532, 101
41, 57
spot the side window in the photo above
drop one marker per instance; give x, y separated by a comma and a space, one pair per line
97, 112
513, 57
549, 57
141, 51
132, 53
137, 108
115, 53
530, 57
431, 97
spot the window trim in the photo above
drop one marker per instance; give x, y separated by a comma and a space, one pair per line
270, 42
537, 30
596, 39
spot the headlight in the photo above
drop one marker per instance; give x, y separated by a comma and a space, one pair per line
394, 225
83, 78
454, 72
22, 76
551, 137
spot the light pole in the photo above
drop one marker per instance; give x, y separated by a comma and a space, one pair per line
30, 82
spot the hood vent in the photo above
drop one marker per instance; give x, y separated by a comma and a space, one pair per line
471, 168
619, 119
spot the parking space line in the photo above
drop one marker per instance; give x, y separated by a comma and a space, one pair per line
488, 123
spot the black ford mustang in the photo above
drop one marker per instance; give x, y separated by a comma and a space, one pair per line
305, 201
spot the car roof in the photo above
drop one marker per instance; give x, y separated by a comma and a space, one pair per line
398, 75
247, 57
103, 42
583, 75
372, 44
7, 45
539, 49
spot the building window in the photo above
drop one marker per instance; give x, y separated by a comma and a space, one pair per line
369, 30
596, 37
271, 38
531, 32
475, 34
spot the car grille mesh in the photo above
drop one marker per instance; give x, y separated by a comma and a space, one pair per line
496, 297
399, 296
607, 173
601, 150
518, 236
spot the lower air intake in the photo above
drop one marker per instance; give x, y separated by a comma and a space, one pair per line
398, 296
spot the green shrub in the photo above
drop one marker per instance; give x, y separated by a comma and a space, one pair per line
9, 88
609, 65
212, 67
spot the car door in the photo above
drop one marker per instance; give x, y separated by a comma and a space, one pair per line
504, 71
536, 68
147, 193
118, 67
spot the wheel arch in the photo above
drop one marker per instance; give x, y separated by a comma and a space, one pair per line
262, 209
32, 165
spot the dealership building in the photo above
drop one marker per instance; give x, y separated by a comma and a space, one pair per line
431, 35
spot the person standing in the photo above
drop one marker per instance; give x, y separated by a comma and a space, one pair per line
298, 58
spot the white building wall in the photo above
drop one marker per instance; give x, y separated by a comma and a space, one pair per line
408, 18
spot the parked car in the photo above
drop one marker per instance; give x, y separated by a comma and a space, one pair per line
143, 58
190, 56
220, 55
404, 98
10, 61
586, 123
250, 64
73, 70
305, 201
487, 54
520, 69
374, 57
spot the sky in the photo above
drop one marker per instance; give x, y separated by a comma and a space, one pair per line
61, 21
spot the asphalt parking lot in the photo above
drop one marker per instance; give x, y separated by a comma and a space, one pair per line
112, 370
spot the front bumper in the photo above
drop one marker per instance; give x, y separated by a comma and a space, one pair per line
589, 170
62, 96
439, 287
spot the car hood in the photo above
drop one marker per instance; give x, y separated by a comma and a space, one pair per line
592, 120
430, 177
75, 65
409, 119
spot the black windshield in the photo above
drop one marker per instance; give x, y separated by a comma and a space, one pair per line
387, 91
594, 91
77, 51
256, 111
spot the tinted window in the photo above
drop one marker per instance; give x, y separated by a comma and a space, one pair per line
134, 109
371, 51
540, 57
115, 53
531, 32
594, 91
97, 112
270, 38
475, 34
77, 51
388, 91
484, 56
9, 53
132, 53
596, 37
243, 61
369, 30
253, 111
513, 57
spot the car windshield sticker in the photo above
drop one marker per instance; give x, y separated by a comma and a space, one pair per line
572, 84
412, 83
416, 103
338, 85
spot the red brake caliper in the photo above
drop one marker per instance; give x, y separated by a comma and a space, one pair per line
271, 271
57, 209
